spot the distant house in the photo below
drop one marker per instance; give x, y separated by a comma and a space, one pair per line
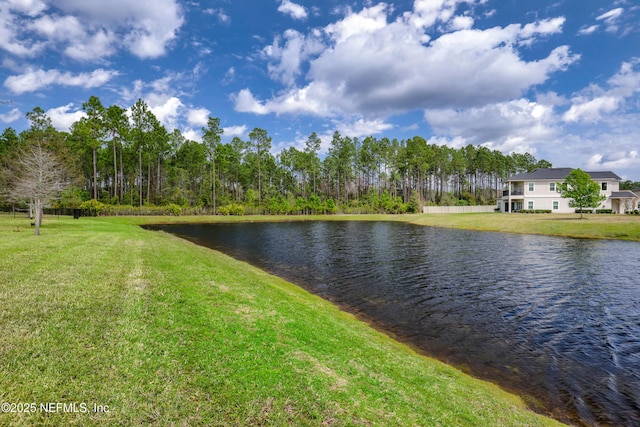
538, 190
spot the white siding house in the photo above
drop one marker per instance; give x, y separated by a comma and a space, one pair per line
538, 190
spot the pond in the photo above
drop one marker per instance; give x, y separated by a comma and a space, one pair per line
555, 319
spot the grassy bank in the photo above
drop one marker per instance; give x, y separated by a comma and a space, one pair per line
624, 227
155, 330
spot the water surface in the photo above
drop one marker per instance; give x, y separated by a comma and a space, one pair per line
553, 318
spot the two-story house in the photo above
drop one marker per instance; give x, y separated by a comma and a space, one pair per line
538, 190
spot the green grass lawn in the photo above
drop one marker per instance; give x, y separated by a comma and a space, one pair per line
160, 331
623, 227
593, 226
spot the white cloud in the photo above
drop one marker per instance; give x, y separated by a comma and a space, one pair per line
292, 9
455, 142
592, 104
426, 13
601, 129
588, 30
308, 100
167, 110
94, 47
377, 68
591, 110
132, 94
626, 81
34, 80
58, 27
611, 18
11, 25
616, 160
11, 116
192, 135
543, 27
232, 131
220, 14
245, 102
89, 30
362, 127
164, 97
80, 44
366, 21
146, 26
507, 126
229, 76
286, 59
461, 23
63, 117
198, 116
28, 7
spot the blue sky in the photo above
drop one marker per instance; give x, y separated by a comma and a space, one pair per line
558, 79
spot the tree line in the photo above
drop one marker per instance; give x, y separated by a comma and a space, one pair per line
124, 159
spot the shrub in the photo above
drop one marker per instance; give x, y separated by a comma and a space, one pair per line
536, 211
173, 209
415, 204
93, 206
231, 209
330, 206
72, 197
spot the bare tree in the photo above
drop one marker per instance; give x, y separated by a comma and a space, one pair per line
36, 177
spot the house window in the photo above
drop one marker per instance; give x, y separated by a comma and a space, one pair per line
530, 205
552, 186
531, 186
604, 186
556, 205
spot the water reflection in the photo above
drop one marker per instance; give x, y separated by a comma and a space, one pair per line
554, 318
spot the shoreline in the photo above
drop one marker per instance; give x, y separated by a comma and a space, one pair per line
625, 228
187, 334
538, 404
607, 227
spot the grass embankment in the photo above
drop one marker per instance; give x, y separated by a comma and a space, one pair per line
97, 311
623, 227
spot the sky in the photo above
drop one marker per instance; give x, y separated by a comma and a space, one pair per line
558, 79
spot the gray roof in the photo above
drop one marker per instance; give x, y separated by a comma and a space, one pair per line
559, 174
604, 175
624, 194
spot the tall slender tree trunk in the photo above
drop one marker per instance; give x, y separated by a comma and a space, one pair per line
115, 171
149, 181
259, 180
95, 174
140, 175
213, 179
346, 191
158, 186
237, 187
38, 219
121, 177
